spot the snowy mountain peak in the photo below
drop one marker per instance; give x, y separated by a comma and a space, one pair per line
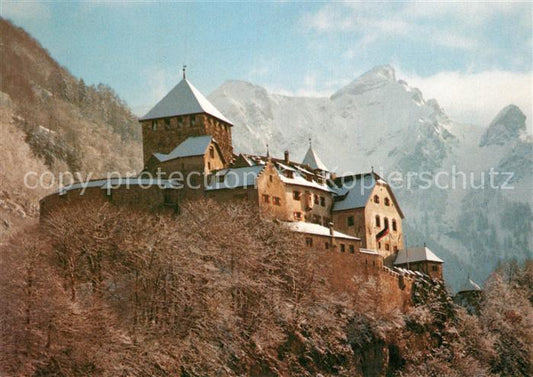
380, 72
508, 125
378, 77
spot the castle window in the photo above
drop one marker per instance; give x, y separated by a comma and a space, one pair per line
394, 225
316, 219
309, 241
386, 222
350, 221
298, 215
208, 165
343, 248
180, 121
376, 199
352, 249
316, 199
266, 198
379, 245
395, 248
221, 179
271, 178
387, 247
326, 245
378, 221
212, 152
193, 120
167, 123
154, 125
276, 200
322, 201
434, 268
387, 202
296, 195
289, 174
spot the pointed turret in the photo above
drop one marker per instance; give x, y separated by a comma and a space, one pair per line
311, 159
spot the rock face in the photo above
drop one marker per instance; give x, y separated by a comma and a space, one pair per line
378, 120
508, 125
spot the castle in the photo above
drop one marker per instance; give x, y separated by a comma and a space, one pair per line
187, 145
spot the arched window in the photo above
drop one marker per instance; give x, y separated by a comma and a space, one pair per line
394, 225
386, 221
378, 222
387, 202
376, 199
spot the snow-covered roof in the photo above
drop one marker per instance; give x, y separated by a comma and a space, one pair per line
299, 173
469, 285
416, 254
353, 191
121, 182
183, 99
317, 229
311, 159
234, 177
298, 180
192, 146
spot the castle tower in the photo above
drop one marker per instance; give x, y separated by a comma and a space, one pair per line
311, 159
182, 113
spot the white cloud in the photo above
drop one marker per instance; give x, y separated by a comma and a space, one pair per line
457, 25
476, 98
25, 10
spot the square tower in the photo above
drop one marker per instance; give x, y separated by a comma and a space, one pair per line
184, 112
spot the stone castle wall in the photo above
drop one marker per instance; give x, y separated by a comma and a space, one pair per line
163, 135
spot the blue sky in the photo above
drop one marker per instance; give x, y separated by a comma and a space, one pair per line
473, 57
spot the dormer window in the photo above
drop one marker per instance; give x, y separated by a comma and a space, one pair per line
289, 174
387, 202
376, 199
154, 125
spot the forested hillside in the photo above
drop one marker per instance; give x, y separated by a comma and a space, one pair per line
96, 292
51, 120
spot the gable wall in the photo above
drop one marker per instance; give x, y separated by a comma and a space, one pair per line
394, 238
270, 185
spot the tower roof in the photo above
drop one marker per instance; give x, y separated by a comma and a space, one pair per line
183, 99
469, 285
416, 254
311, 159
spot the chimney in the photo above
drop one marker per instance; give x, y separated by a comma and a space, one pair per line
331, 229
287, 157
